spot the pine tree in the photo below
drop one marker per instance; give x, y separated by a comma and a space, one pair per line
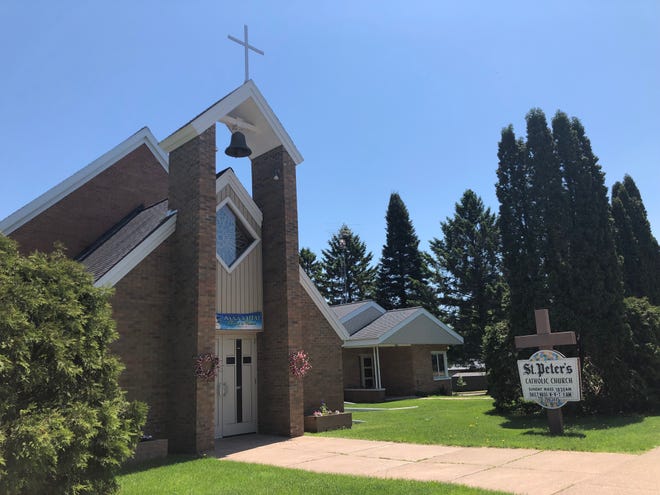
635, 242
347, 274
466, 265
403, 271
311, 265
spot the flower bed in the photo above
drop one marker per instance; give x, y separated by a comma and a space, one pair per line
335, 421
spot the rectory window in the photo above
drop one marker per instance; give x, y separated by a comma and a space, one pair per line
439, 364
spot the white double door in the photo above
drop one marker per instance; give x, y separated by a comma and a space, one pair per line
236, 385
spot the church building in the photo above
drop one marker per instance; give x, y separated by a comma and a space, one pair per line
201, 268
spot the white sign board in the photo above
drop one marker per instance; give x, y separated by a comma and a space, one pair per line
550, 379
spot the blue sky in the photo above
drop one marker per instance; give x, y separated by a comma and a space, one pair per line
378, 96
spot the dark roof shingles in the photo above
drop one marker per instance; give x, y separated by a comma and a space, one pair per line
125, 239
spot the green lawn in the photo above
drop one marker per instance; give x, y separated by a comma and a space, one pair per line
185, 475
472, 422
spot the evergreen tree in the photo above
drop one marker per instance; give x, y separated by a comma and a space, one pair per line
593, 296
520, 260
65, 425
311, 265
466, 265
548, 212
558, 251
635, 242
347, 272
520, 265
403, 271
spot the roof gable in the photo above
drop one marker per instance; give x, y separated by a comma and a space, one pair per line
246, 107
405, 326
83, 176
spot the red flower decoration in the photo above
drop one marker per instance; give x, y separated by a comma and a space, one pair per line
299, 363
206, 366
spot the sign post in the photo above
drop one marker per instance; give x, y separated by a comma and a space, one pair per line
548, 378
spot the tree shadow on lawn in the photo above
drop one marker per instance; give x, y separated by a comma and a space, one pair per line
170, 460
537, 424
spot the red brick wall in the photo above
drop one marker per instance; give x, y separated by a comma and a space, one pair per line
404, 370
141, 309
192, 194
280, 393
324, 381
423, 370
351, 364
83, 216
396, 370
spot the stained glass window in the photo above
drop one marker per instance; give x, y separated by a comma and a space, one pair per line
232, 238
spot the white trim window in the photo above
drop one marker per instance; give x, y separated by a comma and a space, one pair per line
439, 365
367, 371
234, 236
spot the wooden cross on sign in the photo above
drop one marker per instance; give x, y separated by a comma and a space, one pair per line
248, 47
545, 339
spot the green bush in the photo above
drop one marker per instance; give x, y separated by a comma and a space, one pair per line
502, 371
643, 354
65, 425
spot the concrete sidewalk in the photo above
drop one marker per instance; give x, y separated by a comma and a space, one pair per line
521, 471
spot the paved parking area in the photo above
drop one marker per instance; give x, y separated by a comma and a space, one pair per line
521, 471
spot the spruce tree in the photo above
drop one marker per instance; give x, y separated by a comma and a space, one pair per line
635, 242
311, 265
403, 272
347, 274
466, 265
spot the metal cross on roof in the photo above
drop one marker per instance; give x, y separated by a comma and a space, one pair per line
247, 46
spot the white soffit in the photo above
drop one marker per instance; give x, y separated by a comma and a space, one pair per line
66, 187
246, 104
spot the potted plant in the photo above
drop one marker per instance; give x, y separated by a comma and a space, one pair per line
324, 419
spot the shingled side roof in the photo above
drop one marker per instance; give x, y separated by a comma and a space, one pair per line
123, 238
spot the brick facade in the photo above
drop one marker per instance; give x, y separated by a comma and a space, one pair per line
192, 194
404, 370
325, 380
280, 393
81, 217
140, 308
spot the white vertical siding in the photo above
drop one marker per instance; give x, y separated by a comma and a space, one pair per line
241, 291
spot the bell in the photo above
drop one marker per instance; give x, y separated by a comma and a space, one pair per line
238, 148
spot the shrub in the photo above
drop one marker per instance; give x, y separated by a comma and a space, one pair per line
65, 425
643, 355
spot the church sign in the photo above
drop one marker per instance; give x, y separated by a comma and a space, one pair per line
550, 379
240, 321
